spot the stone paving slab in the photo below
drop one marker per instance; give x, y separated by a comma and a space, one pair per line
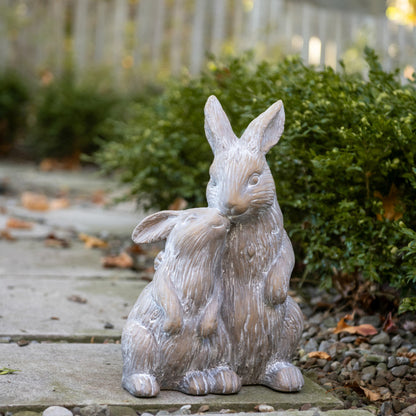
32, 258
81, 374
38, 308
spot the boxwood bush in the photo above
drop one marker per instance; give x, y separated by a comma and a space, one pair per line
14, 96
343, 167
68, 116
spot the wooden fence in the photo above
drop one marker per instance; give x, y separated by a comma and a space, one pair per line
153, 38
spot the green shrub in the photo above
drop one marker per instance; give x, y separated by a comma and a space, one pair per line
68, 117
14, 95
343, 167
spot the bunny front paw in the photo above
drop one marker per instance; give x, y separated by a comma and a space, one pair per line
141, 385
225, 381
283, 376
195, 383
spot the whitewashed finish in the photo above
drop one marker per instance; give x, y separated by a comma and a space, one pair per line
175, 337
159, 36
217, 314
264, 323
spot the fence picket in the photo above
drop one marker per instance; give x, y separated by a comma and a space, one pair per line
150, 37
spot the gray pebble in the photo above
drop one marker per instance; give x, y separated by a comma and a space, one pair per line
379, 348
56, 411
162, 413
381, 367
380, 338
396, 341
375, 358
391, 362
329, 322
146, 414
386, 409
349, 339
402, 360
324, 346
400, 370
311, 345
368, 373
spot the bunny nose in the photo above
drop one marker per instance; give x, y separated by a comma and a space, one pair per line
235, 209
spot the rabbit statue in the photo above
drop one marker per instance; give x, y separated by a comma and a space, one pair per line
174, 337
264, 323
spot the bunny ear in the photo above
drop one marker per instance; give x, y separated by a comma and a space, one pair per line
155, 227
265, 130
217, 126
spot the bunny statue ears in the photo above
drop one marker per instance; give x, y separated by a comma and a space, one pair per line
260, 136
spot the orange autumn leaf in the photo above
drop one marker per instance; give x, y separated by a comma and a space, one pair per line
373, 396
122, 261
364, 329
20, 224
320, 355
59, 203
5, 234
34, 202
92, 242
390, 203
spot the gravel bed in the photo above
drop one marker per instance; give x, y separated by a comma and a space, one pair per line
375, 371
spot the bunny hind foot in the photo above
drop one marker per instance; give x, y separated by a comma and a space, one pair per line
284, 377
141, 385
224, 381
195, 383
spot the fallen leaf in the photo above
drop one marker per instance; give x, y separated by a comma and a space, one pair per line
136, 249
68, 163
34, 202
99, 197
365, 329
390, 203
6, 370
92, 242
5, 234
59, 203
389, 326
22, 342
53, 241
373, 396
122, 261
320, 355
77, 299
204, 408
178, 204
54, 318
20, 224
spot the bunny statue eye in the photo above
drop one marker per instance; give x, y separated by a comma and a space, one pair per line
254, 179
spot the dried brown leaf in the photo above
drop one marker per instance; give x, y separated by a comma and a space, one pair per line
320, 355
390, 203
122, 261
389, 326
77, 299
19, 224
92, 242
59, 203
365, 329
34, 202
5, 234
373, 396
